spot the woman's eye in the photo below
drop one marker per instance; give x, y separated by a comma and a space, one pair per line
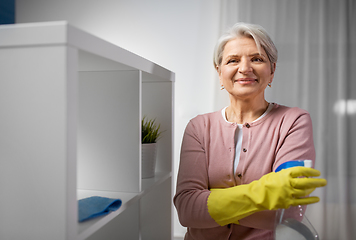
258, 59
232, 61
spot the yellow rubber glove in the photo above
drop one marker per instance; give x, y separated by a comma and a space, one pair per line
271, 192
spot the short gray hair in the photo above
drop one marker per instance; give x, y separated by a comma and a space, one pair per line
256, 32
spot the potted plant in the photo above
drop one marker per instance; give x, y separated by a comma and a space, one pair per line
150, 135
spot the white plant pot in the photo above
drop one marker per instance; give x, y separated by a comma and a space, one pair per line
149, 153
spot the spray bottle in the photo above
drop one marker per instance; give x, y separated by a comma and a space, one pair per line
291, 223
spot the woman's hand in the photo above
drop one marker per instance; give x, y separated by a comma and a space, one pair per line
271, 192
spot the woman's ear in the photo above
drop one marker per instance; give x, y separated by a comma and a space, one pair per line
217, 68
272, 72
273, 68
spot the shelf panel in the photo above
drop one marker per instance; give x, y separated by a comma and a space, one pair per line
108, 131
149, 183
157, 200
87, 228
62, 33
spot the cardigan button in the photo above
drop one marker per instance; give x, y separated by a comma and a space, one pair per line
239, 175
244, 150
247, 125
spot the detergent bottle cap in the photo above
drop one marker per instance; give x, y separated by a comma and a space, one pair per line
308, 163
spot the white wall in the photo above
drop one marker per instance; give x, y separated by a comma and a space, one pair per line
178, 35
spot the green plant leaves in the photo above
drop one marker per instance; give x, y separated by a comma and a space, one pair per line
150, 131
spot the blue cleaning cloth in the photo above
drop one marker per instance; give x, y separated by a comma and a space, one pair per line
96, 206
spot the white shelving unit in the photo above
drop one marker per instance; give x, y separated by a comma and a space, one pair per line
71, 107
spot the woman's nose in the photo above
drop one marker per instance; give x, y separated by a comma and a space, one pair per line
244, 67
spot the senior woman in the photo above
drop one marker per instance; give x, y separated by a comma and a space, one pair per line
226, 186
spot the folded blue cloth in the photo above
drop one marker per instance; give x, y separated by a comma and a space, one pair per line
96, 206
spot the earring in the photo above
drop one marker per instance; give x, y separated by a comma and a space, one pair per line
222, 88
270, 84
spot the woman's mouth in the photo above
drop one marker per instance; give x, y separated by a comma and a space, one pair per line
245, 80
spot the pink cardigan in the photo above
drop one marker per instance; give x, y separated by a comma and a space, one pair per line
207, 158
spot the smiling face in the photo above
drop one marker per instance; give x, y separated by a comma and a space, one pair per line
243, 71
